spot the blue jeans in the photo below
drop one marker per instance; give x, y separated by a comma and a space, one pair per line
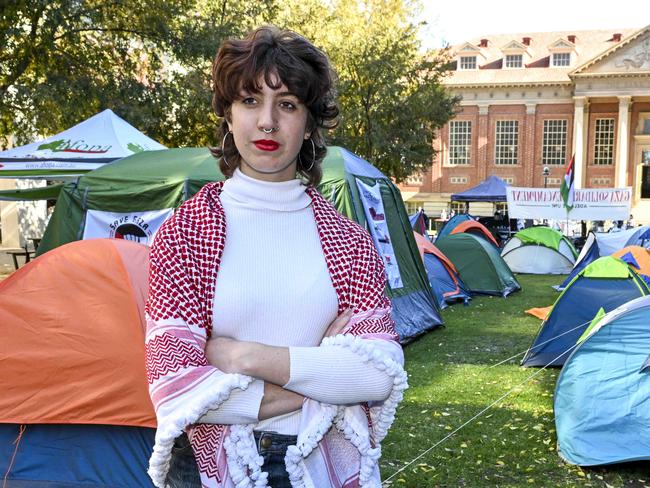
184, 473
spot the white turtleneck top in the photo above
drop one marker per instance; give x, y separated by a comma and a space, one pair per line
273, 287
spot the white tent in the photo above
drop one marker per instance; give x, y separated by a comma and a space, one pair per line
102, 138
539, 250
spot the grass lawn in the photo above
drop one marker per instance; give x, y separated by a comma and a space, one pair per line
512, 444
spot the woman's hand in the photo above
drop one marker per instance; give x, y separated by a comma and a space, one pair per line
339, 323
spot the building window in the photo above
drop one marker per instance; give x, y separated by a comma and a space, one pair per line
507, 141
601, 182
646, 126
415, 180
561, 59
458, 180
645, 174
468, 62
413, 207
501, 207
456, 208
510, 180
554, 142
460, 141
514, 60
551, 182
604, 142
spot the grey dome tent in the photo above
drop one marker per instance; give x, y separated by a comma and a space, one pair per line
539, 250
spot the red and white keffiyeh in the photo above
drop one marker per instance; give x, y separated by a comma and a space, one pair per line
338, 446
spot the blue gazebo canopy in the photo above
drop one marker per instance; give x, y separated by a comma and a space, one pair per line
492, 189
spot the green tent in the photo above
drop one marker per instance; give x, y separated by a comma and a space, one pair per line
131, 197
479, 264
539, 250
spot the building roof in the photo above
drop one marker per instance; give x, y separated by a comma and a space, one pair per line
587, 45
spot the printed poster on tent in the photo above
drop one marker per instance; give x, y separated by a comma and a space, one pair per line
376, 217
138, 227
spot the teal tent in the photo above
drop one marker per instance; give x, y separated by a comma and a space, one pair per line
131, 197
602, 396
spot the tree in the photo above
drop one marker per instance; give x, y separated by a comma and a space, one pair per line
64, 60
390, 94
148, 60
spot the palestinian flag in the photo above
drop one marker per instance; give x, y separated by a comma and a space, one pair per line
567, 187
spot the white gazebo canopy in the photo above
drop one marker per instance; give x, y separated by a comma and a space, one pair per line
102, 138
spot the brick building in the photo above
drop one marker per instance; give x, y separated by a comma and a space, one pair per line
531, 101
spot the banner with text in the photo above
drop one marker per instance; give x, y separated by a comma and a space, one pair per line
588, 204
378, 227
133, 226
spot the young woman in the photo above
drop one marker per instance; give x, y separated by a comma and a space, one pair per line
269, 337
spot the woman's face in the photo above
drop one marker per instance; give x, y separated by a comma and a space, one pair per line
270, 155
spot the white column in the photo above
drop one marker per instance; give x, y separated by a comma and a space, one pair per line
622, 140
578, 139
9, 217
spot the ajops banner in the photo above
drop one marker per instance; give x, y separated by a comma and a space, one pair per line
588, 204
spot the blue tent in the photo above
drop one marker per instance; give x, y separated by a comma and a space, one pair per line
606, 283
591, 254
605, 243
447, 286
602, 396
445, 282
452, 223
492, 189
419, 222
74, 456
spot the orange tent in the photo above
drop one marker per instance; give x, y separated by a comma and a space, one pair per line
475, 227
636, 256
443, 277
72, 327
425, 245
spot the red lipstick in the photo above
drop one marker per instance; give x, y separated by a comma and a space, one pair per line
266, 145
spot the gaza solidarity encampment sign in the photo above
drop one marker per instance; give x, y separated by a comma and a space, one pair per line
588, 204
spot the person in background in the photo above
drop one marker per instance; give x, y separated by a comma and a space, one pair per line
630, 222
272, 358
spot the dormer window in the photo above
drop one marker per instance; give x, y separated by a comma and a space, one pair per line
514, 53
514, 61
560, 59
467, 62
561, 50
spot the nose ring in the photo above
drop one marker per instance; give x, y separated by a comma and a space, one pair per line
269, 131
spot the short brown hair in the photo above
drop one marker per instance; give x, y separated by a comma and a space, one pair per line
269, 53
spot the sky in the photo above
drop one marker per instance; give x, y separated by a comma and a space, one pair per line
457, 21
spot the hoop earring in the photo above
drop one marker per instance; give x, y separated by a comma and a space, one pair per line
313, 158
223, 151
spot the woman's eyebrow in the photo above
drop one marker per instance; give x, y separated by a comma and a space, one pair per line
286, 93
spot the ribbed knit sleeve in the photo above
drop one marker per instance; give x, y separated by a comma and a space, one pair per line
336, 375
241, 407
